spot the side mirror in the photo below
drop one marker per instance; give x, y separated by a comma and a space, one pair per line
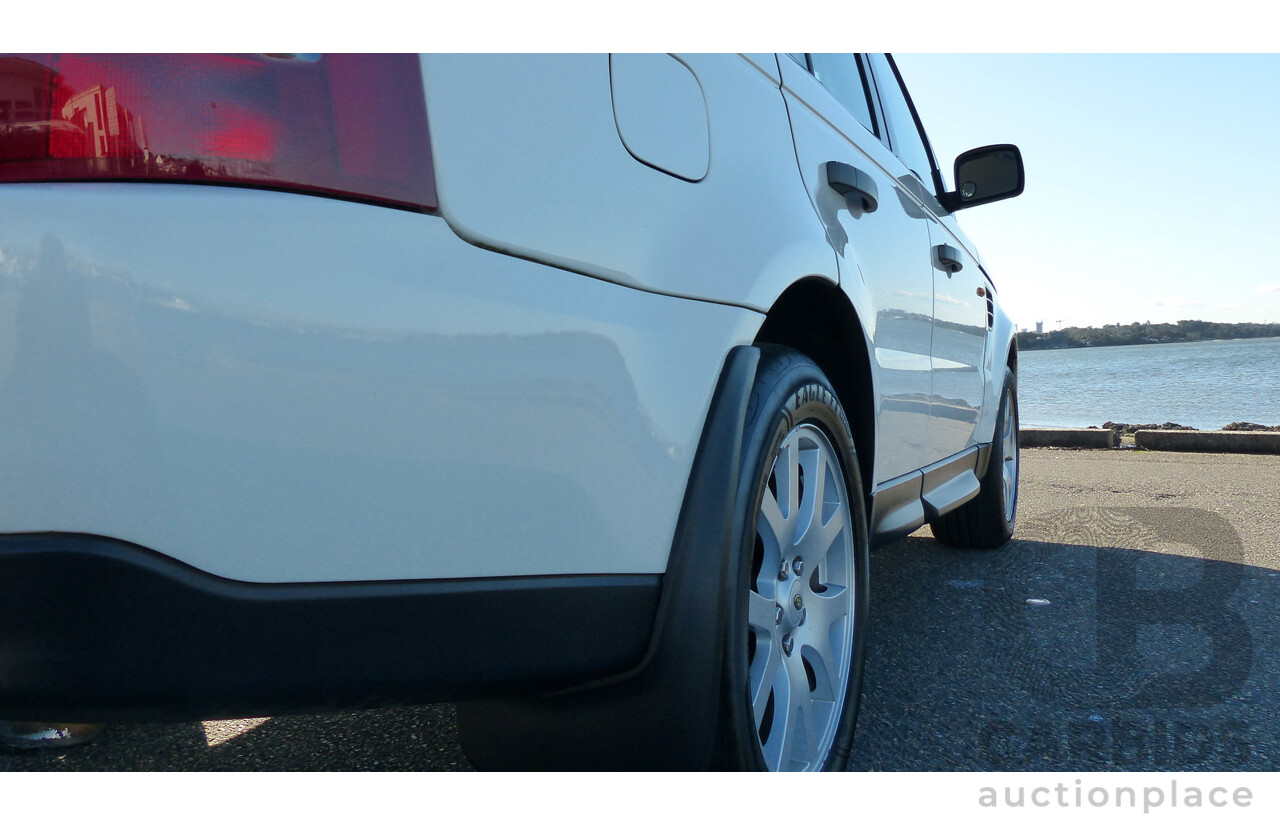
985, 174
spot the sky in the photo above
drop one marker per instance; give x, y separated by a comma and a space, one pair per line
1151, 179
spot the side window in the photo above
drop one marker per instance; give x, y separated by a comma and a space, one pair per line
842, 76
907, 141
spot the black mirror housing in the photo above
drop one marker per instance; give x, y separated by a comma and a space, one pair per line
984, 175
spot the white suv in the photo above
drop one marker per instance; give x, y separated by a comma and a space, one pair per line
574, 388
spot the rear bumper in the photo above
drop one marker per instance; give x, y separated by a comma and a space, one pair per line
93, 629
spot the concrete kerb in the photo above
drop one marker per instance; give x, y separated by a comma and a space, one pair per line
1081, 439
1209, 441
1192, 441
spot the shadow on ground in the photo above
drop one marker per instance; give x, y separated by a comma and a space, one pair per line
1150, 646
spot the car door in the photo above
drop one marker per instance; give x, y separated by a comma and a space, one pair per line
958, 350
960, 309
882, 248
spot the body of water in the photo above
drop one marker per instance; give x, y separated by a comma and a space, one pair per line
1205, 384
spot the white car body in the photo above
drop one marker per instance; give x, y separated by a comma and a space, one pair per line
274, 389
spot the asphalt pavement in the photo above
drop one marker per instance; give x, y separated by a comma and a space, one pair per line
1129, 626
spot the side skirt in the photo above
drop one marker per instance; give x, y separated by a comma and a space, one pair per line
903, 505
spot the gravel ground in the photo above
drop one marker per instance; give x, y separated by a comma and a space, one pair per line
405, 739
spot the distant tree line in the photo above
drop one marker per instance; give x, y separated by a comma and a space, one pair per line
1120, 334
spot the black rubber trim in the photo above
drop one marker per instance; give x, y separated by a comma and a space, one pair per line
984, 457
664, 714
93, 629
896, 509
949, 484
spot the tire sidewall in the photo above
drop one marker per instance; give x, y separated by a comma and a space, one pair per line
790, 390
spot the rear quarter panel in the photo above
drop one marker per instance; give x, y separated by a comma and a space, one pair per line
529, 161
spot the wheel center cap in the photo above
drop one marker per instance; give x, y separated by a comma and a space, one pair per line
795, 604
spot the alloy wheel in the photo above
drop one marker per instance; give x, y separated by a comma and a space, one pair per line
1009, 473
801, 603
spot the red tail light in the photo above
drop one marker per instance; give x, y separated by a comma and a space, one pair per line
346, 125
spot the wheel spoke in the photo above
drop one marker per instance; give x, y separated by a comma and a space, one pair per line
819, 541
761, 612
773, 524
826, 608
787, 478
768, 677
797, 732
810, 505
824, 658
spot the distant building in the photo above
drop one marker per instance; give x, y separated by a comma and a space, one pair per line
1039, 327
111, 129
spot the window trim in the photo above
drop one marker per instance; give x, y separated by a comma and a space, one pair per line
873, 100
873, 103
938, 187
877, 104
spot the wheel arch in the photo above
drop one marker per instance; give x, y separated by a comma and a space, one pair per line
815, 317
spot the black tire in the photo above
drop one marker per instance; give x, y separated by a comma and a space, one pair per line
795, 639
988, 520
